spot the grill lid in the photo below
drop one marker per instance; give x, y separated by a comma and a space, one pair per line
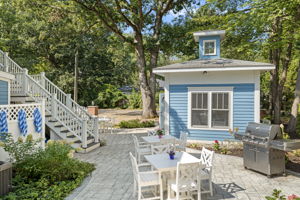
267, 131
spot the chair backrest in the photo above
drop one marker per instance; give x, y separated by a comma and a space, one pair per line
187, 174
134, 167
135, 141
183, 139
159, 149
207, 157
151, 133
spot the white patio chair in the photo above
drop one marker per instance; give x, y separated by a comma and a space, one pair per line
206, 158
187, 181
159, 149
181, 145
146, 182
141, 149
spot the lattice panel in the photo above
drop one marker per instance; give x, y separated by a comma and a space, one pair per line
12, 110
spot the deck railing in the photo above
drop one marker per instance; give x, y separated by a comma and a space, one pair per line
61, 106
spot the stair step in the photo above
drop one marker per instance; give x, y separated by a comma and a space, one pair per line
89, 138
29, 101
59, 126
48, 115
52, 120
71, 136
65, 131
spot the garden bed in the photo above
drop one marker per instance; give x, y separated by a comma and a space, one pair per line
292, 164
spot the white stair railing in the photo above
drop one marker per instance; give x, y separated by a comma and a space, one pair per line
70, 114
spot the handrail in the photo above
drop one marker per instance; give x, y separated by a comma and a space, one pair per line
37, 92
69, 113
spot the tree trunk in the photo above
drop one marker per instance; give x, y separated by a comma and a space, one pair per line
147, 95
76, 76
291, 129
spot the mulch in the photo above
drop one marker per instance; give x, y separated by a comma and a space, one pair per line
293, 163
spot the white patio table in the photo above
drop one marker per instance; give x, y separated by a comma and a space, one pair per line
163, 163
156, 140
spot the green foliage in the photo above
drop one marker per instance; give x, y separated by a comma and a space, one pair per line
18, 150
136, 123
111, 97
135, 100
47, 174
276, 195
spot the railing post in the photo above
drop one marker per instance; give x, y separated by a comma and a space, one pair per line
43, 122
43, 79
25, 81
68, 101
84, 134
53, 107
6, 62
96, 128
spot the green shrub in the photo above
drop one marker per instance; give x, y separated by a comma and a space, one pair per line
47, 174
18, 150
135, 100
136, 123
111, 97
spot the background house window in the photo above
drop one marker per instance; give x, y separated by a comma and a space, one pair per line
199, 109
210, 109
209, 47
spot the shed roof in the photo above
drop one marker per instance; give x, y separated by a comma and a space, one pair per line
222, 64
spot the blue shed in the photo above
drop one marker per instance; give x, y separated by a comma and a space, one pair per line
5, 79
208, 96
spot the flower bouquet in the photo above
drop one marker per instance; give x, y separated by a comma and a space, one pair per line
160, 133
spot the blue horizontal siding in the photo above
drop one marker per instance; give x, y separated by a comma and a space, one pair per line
3, 92
243, 111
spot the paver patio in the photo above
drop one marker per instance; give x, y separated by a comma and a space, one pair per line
113, 179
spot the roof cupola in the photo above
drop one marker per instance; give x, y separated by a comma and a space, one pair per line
209, 43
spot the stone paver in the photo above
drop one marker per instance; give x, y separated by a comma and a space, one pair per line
113, 179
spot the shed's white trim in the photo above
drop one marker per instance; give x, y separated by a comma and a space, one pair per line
257, 96
208, 33
262, 68
209, 90
167, 105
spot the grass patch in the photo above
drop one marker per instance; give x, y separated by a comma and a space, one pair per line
136, 123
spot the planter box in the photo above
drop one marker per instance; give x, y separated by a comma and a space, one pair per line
93, 110
5, 178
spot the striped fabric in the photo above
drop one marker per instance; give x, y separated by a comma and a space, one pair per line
22, 122
37, 121
3, 122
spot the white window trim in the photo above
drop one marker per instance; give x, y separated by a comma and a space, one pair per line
209, 90
215, 48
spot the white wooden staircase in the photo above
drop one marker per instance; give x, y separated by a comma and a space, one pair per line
66, 119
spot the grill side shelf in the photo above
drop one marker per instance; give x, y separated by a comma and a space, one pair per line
285, 145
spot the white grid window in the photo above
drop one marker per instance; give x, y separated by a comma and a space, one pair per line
209, 47
210, 109
199, 109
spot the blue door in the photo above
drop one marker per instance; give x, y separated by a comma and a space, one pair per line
3, 92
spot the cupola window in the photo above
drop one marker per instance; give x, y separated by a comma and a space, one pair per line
209, 47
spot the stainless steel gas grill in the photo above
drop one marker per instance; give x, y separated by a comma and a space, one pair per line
264, 148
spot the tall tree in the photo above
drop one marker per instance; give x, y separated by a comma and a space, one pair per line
138, 23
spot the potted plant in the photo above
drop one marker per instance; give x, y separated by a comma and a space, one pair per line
160, 133
172, 154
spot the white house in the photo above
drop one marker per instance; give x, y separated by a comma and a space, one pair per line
208, 96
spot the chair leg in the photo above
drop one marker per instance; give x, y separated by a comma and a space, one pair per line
134, 187
161, 192
139, 193
211, 188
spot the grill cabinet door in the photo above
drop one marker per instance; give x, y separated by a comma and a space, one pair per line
249, 155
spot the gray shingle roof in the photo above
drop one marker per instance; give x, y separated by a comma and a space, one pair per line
213, 63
